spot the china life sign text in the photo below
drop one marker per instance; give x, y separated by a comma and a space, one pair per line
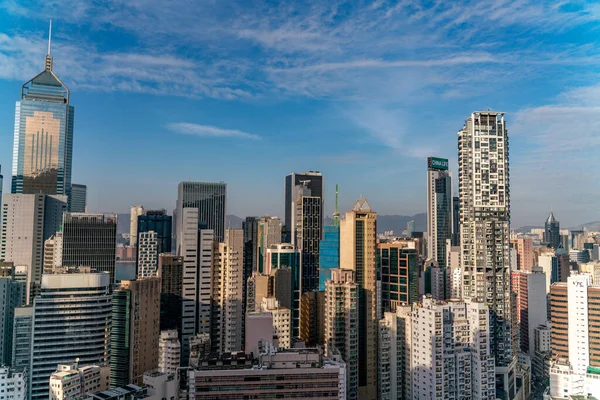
437, 163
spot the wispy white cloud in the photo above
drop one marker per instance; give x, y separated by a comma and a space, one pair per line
187, 128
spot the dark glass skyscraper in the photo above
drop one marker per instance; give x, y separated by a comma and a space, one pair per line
455, 221
439, 209
43, 136
159, 222
78, 198
552, 232
313, 180
209, 199
398, 268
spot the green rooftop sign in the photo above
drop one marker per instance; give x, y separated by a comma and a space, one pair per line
437, 163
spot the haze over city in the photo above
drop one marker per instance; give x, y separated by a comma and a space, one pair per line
247, 92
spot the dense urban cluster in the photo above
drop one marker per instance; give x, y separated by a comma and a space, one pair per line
302, 307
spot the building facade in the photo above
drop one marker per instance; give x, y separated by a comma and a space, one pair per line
269, 233
90, 240
70, 381
11, 296
22, 331
485, 219
358, 254
552, 231
342, 324
135, 330
43, 136
134, 213
147, 254
452, 356
210, 201
395, 352
71, 319
399, 269
169, 351
439, 209
78, 198
329, 253
531, 305
170, 270
313, 181
284, 259
13, 383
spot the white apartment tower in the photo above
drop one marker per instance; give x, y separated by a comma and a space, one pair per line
147, 254
169, 351
71, 319
451, 351
13, 384
484, 193
341, 324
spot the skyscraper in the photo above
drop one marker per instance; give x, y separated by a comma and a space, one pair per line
304, 223
135, 330
43, 144
78, 198
269, 232
313, 180
358, 253
281, 256
71, 319
134, 213
439, 209
90, 240
209, 199
231, 300
147, 254
157, 221
485, 217
531, 305
552, 231
27, 221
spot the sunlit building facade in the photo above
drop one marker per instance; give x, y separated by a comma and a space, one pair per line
43, 136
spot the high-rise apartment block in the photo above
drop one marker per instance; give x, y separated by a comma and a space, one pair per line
452, 356
13, 383
209, 199
358, 254
169, 351
399, 269
304, 223
135, 330
531, 305
230, 300
575, 312
43, 142
90, 240
524, 247
342, 324
552, 231
485, 217
78, 198
71, 319
312, 315
395, 352
147, 254
439, 209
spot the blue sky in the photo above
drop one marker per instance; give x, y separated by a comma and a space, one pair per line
248, 91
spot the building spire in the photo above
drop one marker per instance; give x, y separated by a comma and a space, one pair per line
48, 66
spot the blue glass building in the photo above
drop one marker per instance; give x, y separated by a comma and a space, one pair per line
329, 253
43, 136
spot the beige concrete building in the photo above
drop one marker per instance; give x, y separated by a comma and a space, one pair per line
70, 381
282, 322
259, 287
136, 211
135, 330
231, 291
298, 374
341, 324
358, 235
169, 351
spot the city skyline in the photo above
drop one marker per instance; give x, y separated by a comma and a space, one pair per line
299, 87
